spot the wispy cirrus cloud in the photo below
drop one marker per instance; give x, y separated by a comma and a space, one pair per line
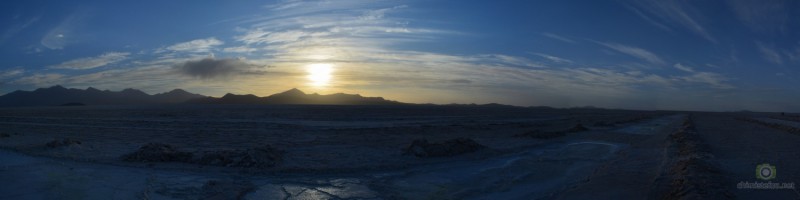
15, 28
239, 49
648, 19
346, 30
673, 12
196, 46
559, 38
683, 67
40, 80
259, 36
635, 52
11, 73
769, 53
7, 75
713, 79
93, 62
766, 16
64, 33
553, 58
793, 54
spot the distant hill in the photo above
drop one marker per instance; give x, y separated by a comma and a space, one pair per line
58, 95
295, 96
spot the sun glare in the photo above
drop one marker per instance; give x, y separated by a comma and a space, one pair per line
319, 74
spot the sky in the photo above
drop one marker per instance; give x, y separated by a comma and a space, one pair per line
638, 54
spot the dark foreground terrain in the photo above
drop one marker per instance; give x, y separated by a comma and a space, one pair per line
390, 152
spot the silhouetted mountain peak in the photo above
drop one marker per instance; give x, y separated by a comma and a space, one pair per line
52, 88
228, 95
178, 91
231, 95
292, 92
132, 91
177, 96
238, 99
91, 89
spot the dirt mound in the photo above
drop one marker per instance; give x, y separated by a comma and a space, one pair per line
458, 146
260, 157
63, 143
157, 152
577, 128
690, 175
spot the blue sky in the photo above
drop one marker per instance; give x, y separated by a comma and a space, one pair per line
681, 55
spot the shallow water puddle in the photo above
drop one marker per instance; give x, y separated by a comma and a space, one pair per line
344, 188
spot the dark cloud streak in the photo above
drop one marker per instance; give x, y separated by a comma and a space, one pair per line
210, 68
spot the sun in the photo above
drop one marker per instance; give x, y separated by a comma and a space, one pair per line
319, 74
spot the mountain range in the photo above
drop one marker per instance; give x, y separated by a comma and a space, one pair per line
295, 96
58, 95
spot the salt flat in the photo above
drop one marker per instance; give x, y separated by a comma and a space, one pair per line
362, 152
